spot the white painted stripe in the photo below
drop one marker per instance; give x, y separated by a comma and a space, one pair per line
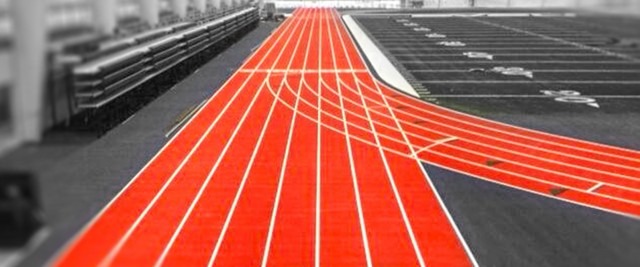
436, 143
379, 61
595, 187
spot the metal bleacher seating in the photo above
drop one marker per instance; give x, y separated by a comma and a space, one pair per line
122, 65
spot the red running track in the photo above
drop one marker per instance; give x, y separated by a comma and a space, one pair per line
302, 158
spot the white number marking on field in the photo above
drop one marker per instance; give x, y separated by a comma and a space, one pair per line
570, 96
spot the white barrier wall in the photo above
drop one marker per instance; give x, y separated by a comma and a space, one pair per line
150, 11
105, 15
27, 94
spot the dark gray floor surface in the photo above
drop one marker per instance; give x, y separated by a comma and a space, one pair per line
507, 227
78, 178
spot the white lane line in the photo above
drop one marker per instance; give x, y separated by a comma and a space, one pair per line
245, 176
389, 174
285, 160
470, 254
107, 260
185, 119
595, 187
436, 143
354, 178
379, 61
431, 49
207, 180
115, 250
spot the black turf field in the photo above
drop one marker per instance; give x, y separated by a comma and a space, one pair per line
535, 71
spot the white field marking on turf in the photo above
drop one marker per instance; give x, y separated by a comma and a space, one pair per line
438, 142
185, 119
470, 254
519, 135
627, 215
499, 55
502, 15
530, 96
354, 177
524, 81
379, 61
538, 70
72, 241
285, 160
110, 256
390, 176
621, 62
207, 180
595, 187
562, 41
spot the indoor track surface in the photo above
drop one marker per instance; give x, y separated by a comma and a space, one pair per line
303, 158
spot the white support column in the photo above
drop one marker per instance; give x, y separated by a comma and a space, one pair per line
201, 5
150, 11
27, 96
179, 7
216, 4
104, 12
229, 3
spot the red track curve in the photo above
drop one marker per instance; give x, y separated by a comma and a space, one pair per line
303, 158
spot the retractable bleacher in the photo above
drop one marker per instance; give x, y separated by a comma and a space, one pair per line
104, 78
